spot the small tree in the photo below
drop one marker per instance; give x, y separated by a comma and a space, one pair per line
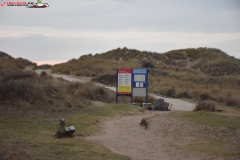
147, 64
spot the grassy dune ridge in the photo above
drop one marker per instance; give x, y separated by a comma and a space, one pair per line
204, 71
31, 105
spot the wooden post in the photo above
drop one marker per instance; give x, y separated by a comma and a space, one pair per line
173, 91
201, 103
61, 125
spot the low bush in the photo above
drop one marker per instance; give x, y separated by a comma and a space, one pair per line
27, 89
108, 79
207, 106
147, 65
90, 91
170, 92
233, 102
207, 96
184, 94
18, 85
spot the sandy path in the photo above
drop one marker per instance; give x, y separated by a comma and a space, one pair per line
69, 78
125, 136
176, 104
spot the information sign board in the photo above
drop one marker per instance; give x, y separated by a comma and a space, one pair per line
124, 81
131, 82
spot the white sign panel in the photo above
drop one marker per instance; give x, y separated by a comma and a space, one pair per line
124, 79
138, 78
139, 92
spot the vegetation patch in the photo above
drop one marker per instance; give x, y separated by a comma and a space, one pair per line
202, 133
211, 119
196, 73
108, 79
33, 137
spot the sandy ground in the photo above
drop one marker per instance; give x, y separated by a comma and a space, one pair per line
125, 136
69, 78
166, 138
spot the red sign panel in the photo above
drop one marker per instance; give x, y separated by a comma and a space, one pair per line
124, 70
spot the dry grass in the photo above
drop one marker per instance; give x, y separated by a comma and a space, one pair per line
23, 89
209, 106
203, 133
108, 79
91, 67
32, 136
223, 89
31, 105
18, 63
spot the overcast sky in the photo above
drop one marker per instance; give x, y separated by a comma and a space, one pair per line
69, 29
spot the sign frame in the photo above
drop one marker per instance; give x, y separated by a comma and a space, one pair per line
128, 84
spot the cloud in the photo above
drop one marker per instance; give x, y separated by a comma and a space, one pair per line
68, 30
45, 48
139, 15
139, 36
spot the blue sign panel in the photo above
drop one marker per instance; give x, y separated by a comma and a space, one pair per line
140, 83
141, 71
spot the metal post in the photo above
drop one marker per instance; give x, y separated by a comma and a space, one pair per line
147, 86
201, 103
116, 85
61, 125
173, 91
132, 86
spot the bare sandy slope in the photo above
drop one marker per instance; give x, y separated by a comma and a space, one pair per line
166, 137
125, 136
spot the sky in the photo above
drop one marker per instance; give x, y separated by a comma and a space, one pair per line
69, 29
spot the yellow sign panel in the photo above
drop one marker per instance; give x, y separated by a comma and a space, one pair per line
124, 89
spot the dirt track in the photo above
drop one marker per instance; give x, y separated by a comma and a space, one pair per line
125, 136
166, 138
